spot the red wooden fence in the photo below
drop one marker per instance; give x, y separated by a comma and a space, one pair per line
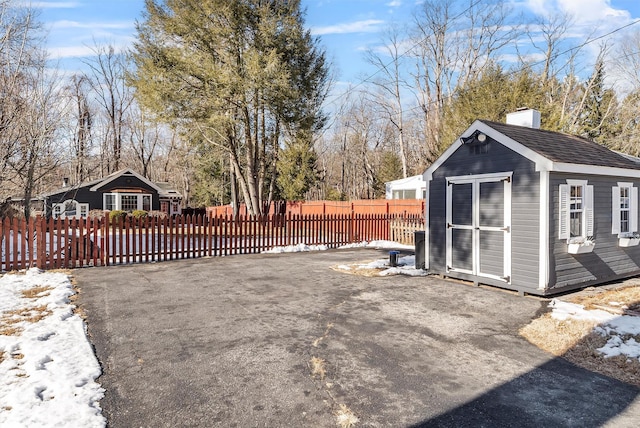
363, 206
51, 244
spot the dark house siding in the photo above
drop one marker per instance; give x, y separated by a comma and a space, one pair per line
525, 197
608, 261
94, 198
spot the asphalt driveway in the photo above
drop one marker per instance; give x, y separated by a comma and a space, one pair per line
227, 342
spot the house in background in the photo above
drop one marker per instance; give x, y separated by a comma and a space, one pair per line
530, 210
123, 190
406, 188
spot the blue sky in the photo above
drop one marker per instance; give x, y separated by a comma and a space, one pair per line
347, 27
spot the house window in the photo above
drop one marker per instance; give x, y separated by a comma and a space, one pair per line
575, 211
146, 202
624, 209
404, 194
109, 201
128, 202
70, 209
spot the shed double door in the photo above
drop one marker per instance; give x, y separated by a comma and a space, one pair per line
479, 226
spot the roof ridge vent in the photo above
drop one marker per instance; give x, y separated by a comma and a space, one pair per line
524, 116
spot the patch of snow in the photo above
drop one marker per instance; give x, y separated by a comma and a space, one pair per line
565, 310
617, 346
617, 328
298, 248
379, 244
48, 369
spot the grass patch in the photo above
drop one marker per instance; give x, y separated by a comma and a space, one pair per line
556, 336
624, 299
317, 366
37, 292
32, 314
345, 418
577, 342
1, 356
9, 330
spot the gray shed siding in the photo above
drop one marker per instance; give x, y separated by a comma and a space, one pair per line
608, 261
525, 197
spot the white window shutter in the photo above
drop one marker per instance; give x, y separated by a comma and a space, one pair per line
563, 211
633, 210
615, 210
588, 210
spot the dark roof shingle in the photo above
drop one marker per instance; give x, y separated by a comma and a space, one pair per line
564, 148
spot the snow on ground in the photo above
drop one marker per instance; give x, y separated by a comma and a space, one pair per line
47, 366
296, 249
406, 265
618, 329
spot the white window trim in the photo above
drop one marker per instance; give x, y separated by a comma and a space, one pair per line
118, 196
80, 209
565, 214
633, 210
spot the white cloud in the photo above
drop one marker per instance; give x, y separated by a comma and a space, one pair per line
52, 4
65, 24
583, 11
394, 3
83, 51
366, 26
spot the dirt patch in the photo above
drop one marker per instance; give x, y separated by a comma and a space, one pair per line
359, 269
576, 340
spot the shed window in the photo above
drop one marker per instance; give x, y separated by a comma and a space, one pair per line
624, 209
575, 211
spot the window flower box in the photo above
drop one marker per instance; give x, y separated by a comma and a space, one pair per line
580, 247
630, 241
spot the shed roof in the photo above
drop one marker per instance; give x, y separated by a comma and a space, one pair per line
565, 148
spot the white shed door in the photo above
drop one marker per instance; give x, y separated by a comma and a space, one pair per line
479, 226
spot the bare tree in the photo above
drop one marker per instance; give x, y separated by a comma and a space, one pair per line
19, 39
145, 136
453, 43
37, 151
114, 96
391, 86
82, 116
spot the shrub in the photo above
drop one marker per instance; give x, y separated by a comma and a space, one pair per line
96, 214
139, 214
115, 215
158, 214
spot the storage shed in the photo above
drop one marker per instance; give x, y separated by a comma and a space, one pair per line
406, 188
530, 210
